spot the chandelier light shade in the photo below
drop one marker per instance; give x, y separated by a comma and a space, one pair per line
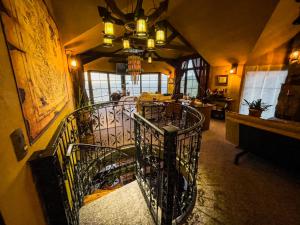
126, 44
107, 42
109, 29
160, 36
149, 59
141, 27
134, 67
150, 44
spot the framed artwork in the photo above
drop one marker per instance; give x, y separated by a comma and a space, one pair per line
37, 61
221, 80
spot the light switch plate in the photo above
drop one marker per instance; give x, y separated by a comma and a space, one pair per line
18, 141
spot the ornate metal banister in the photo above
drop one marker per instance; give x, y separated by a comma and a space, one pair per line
93, 145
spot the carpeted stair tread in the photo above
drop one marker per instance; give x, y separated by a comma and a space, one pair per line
124, 206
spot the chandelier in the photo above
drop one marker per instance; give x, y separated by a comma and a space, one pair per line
134, 67
142, 33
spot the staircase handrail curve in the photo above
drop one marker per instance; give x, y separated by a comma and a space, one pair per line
71, 146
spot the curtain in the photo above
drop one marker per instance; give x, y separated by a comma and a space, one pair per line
180, 68
201, 70
263, 85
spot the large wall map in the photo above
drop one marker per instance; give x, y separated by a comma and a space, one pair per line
37, 60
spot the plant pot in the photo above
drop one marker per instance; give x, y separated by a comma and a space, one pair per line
255, 112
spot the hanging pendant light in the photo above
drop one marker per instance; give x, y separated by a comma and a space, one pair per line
107, 42
109, 29
160, 36
149, 59
141, 27
150, 44
126, 44
134, 67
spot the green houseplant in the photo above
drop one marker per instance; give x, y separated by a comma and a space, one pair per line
256, 107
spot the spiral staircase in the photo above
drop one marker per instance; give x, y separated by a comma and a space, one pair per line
121, 163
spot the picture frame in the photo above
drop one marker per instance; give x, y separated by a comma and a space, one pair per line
221, 80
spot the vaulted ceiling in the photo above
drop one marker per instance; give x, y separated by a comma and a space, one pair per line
223, 31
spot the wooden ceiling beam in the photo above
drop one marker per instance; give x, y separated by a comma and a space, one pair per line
91, 56
181, 38
115, 9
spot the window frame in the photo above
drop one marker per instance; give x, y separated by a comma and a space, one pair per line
90, 88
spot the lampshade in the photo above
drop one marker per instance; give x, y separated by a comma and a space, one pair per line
141, 27
149, 59
126, 44
73, 63
233, 69
150, 44
109, 29
294, 57
160, 36
107, 42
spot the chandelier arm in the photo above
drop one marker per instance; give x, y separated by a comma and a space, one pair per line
163, 6
138, 7
104, 14
115, 9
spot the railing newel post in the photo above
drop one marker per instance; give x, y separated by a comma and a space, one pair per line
169, 173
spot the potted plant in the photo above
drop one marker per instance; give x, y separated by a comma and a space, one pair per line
256, 107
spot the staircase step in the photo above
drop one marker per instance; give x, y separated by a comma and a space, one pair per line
124, 206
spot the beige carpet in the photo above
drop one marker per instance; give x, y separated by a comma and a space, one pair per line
255, 192
124, 206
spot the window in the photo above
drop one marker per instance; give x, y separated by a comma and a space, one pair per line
133, 89
265, 85
100, 86
195, 72
150, 83
115, 82
164, 83
189, 79
86, 84
191, 84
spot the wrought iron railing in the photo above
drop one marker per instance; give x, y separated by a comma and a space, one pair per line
167, 150
165, 137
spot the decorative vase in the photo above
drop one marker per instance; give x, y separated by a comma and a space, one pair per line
255, 112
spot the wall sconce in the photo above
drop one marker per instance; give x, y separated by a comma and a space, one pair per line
73, 63
294, 56
233, 69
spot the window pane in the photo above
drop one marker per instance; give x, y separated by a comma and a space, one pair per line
133, 89
182, 83
99, 86
192, 84
150, 83
263, 85
164, 83
115, 83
